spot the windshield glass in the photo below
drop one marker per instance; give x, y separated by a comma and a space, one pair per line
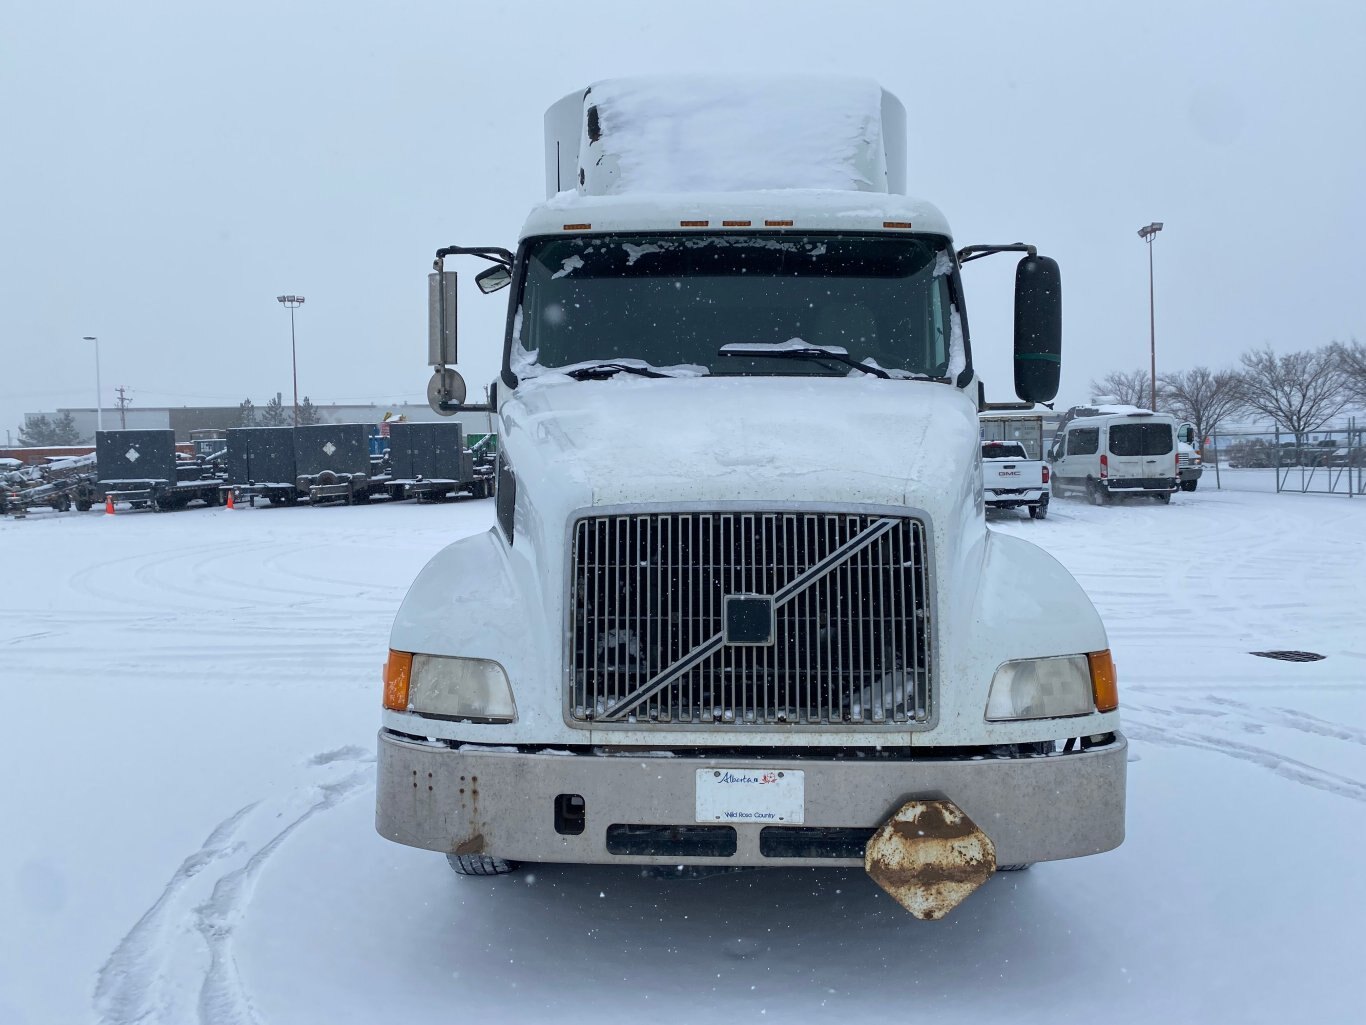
1141, 439
675, 300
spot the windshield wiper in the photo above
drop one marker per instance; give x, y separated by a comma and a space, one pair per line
602, 371
797, 349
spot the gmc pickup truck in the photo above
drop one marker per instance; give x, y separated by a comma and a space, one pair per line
1010, 479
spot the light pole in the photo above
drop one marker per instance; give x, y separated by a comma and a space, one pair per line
99, 400
293, 302
1147, 235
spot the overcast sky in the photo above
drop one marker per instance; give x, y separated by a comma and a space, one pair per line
167, 169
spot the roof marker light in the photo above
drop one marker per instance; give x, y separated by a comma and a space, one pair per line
577, 227
896, 224
777, 224
694, 224
736, 224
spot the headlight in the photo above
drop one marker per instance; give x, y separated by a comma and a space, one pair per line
1052, 688
461, 688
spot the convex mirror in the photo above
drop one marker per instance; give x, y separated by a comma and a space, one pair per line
493, 278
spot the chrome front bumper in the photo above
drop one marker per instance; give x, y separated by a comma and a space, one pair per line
480, 800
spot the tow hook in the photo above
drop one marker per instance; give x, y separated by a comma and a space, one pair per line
929, 856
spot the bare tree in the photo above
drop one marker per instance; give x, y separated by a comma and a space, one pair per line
1299, 391
1130, 389
1204, 397
1352, 360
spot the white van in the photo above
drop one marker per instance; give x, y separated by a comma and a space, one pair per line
1107, 452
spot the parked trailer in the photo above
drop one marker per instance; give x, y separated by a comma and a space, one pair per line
333, 463
261, 464
142, 468
429, 462
57, 485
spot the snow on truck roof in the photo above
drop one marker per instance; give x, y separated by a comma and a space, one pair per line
1112, 409
771, 210
786, 152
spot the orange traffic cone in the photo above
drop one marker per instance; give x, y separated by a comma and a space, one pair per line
230, 503
109, 505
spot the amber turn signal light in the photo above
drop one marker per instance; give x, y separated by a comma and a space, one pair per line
1104, 685
398, 670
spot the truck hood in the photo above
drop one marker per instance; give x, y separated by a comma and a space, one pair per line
628, 439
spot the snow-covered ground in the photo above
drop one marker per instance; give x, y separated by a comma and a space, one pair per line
190, 702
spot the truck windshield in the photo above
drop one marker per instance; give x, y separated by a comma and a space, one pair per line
1141, 439
676, 300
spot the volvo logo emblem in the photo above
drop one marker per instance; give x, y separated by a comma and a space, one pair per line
749, 619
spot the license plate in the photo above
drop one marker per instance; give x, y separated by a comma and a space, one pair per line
751, 795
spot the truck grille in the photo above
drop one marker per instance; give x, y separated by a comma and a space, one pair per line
849, 596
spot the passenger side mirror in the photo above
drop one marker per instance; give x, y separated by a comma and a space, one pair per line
1038, 328
493, 278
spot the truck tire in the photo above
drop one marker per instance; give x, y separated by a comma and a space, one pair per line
1165, 498
1099, 496
1040, 511
480, 865
83, 504
1189, 485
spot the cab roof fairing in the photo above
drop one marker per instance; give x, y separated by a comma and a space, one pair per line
794, 210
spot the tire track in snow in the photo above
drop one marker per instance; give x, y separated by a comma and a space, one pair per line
147, 978
125, 989
1293, 720
1287, 768
222, 998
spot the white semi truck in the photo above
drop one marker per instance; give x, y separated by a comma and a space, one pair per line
702, 632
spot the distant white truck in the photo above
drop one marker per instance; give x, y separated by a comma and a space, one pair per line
1011, 480
695, 634
1188, 462
1014, 472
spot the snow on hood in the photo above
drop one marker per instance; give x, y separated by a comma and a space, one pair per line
846, 440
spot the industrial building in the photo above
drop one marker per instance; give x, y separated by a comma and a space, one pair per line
184, 419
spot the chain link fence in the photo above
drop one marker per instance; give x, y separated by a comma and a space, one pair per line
1324, 462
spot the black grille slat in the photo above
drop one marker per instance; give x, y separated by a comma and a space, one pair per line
851, 648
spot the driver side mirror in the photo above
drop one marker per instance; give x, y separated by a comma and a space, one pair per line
493, 278
1038, 328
